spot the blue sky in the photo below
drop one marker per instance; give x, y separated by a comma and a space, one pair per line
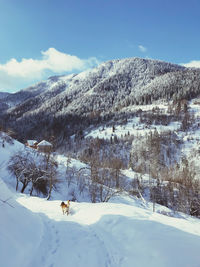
39, 38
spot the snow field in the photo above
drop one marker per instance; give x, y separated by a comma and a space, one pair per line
111, 234
19, 239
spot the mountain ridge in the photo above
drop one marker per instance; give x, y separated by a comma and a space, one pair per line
101, 71
99, 94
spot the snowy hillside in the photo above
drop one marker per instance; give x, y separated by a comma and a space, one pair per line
131, 74
66, 105
95, 96
18, 238
121, 233
104, 234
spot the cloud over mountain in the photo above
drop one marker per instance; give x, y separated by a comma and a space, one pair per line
14, 73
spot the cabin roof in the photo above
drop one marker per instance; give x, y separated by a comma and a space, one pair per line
44, 143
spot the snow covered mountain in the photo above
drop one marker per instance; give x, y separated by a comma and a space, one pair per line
112, 79
69, 104
12, 100
126, 153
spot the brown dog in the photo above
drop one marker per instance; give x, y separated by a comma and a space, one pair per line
65, 207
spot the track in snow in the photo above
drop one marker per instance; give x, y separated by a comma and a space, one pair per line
67, 243
112, 235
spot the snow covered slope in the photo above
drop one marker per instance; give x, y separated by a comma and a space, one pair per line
121, 233
93, 235
18, 236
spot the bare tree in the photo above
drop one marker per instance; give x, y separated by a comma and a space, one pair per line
21, 165
32, 168
116, 165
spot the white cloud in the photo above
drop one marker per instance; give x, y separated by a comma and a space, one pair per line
142, 48
29, 70
192, 64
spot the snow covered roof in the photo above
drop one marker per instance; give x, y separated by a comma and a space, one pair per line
32, 142
44, 143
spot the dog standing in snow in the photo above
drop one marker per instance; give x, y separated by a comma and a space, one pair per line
65, 207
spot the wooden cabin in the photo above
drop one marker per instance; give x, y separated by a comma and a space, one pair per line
44, 146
